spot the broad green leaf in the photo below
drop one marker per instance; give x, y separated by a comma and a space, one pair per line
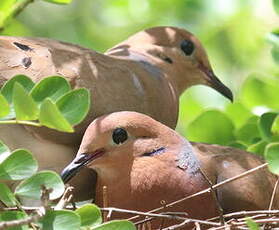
238, 113
212, 127
74, 105
258, 147
260, 91
90, 215
18, 165
60, 220
4, 106
116, 225
14, 215
59, 1
51, 117
252, 224
31, 187
24, 105
249, 132
276, 6
4, 152
7, 89
265, 123
272, 157
50, 87
6, 196
275, 126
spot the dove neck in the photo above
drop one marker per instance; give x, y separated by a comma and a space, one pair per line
150, 61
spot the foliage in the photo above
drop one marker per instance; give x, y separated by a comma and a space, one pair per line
10, 8
51, 102
234, 34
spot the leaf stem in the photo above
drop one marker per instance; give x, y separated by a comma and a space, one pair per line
14, 11
21, 122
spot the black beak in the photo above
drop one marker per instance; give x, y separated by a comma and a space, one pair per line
216, 84
78, 163
74, 167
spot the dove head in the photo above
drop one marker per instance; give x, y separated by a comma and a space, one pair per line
179, 54
118, 138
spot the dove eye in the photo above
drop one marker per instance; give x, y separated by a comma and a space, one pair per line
188, 47
119, 136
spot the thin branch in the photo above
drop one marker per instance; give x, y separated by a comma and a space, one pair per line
273, 194
188, 221
247, 213
65, 199
15, 10
214, 195
107, 215
40, 212
32, 123
208, 189
14, 223
142, 213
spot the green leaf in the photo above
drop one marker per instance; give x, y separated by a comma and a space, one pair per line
260, 91
252, 224
249, 132
90, 215
238, 113
276, 6
50, 87
7, 89
265, 123
275, 126
6, 196
4, 152
14, 215
4, 106
272, 157
211, 127
31, 187
60, 220
18, 165
51, 117
59, 1
74, 105
258, 147
24, 105
116, 225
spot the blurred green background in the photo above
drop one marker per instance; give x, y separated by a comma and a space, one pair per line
235, 33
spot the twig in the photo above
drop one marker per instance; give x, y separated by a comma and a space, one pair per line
273, 194
45, 197
65, 199
21, 122
188, 221
15, 10
243, 223
40, 212
208, 189
107, 215
14, 223
143, 213
247, 213
213, 192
